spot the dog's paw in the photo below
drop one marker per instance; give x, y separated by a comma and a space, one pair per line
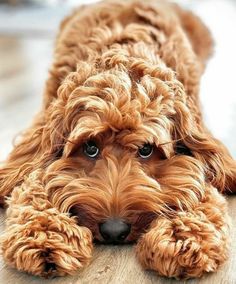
183, 248
47, 245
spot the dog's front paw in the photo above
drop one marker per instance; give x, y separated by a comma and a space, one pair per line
47, 245
185, 247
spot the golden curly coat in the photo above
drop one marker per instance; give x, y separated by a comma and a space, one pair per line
125, 78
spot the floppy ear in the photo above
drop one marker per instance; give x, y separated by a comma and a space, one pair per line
20, 161
39, 145
220, 167
197, 32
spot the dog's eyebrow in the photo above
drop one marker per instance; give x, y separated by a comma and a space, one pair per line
83, 131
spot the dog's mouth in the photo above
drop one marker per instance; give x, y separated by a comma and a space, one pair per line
114, 230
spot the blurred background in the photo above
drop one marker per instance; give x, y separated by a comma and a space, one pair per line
27, 32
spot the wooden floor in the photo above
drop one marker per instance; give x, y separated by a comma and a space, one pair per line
23, 69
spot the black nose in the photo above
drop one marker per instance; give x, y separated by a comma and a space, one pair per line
114, 231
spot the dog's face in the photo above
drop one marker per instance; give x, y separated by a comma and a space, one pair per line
119, 167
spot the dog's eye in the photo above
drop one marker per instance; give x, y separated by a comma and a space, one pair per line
90, 149
146, 151
181, 149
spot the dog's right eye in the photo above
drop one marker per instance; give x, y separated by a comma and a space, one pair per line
90, 149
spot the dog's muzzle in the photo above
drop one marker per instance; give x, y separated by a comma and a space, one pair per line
114, 231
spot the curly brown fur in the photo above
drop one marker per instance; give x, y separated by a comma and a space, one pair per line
125, 73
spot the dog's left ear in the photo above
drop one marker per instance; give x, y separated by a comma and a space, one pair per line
197, 32
194, 139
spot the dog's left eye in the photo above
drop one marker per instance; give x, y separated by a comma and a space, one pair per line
181, 149
90, 149
146, 151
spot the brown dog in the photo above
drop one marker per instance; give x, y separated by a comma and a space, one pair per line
119, 152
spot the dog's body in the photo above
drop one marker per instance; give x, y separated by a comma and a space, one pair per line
120, 145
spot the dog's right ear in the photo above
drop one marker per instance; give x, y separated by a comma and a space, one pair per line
198, 33
193, 139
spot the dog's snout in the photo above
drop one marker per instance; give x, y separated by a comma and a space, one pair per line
114, 231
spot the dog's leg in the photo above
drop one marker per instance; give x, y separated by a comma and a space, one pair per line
38, 238
189, 244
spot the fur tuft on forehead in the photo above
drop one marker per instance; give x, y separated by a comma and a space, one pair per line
118, 100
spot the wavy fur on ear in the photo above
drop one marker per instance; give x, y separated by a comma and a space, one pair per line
219, 166
22, 159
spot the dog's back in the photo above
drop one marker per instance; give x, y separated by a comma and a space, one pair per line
170, 35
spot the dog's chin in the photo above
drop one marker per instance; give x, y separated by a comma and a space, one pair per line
140, 223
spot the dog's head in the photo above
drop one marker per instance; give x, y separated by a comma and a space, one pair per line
117, 133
